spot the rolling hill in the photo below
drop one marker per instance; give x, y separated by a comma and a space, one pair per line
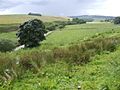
10, 23
95, 17
17, 19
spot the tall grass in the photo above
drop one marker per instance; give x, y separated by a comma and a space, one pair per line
75, 54
78, 49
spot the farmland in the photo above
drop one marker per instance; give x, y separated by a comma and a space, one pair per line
10, 23
17, 19
54, 62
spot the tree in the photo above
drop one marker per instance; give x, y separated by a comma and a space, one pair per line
31, 33
117, 20
7, 45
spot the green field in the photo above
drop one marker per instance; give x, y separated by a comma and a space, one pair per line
71, 34
51, 70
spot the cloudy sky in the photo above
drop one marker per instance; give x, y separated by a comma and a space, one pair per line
61, 7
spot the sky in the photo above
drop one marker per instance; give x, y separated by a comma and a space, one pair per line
61, 7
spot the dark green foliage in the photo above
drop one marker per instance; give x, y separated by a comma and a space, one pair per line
35, 14
76, 21
71, 23
108, 20
55, 25
88, 19
61, 24
117, 20
50, 26
6, 45
31, 33
79, 21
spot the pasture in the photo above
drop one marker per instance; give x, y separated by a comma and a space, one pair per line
52, 72
71, 34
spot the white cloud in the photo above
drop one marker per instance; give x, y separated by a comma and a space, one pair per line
61, 7
108, 7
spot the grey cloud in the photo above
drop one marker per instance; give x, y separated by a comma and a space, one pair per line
49, 7
6, 4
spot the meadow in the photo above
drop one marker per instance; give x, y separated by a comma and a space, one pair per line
66, 60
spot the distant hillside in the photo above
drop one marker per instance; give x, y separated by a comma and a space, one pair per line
16, 19
95, 17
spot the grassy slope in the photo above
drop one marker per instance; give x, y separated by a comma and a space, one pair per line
9, 36
9, 23
101, 72
75, 34
71, 34
17, 19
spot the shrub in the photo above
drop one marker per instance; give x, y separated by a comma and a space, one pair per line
76, 21
71, 23
79, 21
55, 25
6, 45
51, 26
61, 26
117, 20
31, 33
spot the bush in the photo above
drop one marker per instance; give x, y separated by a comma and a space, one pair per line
61, 26
79, 21
31, 33
71, 23
117, 20
6, 45
76, 21
88, 19
50, 26
55, 25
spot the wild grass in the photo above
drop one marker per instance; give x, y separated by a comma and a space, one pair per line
74, 55
79, 55
9, 36
102, 72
